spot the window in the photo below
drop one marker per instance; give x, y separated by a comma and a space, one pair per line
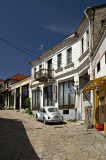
59, 61
87, 38
44, 110
35, 99
82, 45
98, 67
48, 96
40, 67
87, 96
66, 95
65, 111
53, 110
103, 21
41, 110
69, 56
35, 73
50, 64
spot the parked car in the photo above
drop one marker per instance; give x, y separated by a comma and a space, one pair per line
49, 114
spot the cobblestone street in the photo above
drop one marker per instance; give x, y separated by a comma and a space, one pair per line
23, 138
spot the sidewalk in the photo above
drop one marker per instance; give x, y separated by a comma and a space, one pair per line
23, 138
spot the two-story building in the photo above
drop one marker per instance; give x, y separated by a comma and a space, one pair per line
21, 92
8, 91
59, 75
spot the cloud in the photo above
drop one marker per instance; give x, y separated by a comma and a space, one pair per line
60, 29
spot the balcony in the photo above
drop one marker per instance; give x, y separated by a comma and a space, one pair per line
43, 75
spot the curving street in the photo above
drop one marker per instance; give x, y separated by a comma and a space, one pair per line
23, 138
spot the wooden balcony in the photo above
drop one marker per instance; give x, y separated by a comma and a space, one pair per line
43, 75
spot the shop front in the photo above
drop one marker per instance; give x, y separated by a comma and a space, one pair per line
98, 86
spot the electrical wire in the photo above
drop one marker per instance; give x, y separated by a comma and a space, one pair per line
19, 47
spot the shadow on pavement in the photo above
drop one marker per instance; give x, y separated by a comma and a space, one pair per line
14, 142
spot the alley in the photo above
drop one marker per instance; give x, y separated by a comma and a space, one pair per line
23, 138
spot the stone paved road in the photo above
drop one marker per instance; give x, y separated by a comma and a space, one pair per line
22, 138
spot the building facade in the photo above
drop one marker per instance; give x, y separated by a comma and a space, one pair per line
98, 84
9, 90
21, 93
59, 75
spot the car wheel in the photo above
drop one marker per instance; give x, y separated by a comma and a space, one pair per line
44, 121
36, 117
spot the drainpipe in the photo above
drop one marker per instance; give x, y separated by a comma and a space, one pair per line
90, 45
90, 59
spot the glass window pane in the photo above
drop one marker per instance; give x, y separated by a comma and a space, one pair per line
66, 93
38, 99
45, 100
61, 94
48, 96
71, 94
59, 61
69, 56
33, 99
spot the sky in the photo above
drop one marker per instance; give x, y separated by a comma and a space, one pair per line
27, 24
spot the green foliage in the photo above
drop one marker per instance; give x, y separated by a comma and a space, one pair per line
27, 102
29, 111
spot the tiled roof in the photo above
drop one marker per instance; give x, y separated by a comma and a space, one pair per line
1, 80
17, 77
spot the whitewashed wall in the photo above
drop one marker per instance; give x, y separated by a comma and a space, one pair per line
75, 44
100, 56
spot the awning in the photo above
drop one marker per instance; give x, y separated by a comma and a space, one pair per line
95, 84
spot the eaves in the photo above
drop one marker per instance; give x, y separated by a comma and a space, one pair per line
54, 48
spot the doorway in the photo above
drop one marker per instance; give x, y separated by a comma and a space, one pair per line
17, 98
101, 110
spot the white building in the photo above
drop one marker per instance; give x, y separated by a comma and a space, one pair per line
59, 75
98, 84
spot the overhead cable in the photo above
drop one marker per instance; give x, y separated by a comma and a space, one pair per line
19, 47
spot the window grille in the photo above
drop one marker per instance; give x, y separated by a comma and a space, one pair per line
87, 96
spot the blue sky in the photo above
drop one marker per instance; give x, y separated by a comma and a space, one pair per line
30, 23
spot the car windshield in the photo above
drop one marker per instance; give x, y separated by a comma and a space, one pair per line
53, 110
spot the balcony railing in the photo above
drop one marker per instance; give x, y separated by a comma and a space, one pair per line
43, 75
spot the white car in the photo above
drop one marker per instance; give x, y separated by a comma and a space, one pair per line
49, 114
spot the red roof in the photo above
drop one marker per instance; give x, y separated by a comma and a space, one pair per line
1, 80
17, 77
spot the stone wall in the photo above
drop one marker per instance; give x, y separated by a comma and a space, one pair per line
99, 16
